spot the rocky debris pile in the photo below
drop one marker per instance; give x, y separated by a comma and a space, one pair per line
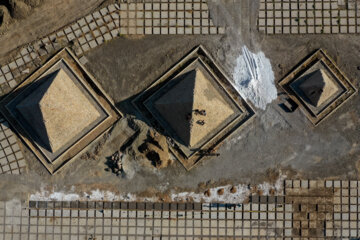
155, 149
141, 150
115, 163
220, 192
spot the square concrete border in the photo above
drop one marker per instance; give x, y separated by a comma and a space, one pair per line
213, 143
92, 86
319, 55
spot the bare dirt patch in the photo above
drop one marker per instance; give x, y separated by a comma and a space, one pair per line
312, 210
33, 19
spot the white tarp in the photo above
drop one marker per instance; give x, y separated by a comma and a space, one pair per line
254, 78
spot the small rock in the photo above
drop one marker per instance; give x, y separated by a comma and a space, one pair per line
53, 38
36, 46
37, 62
26, 71
272, 192
16, 73
288, 105
49, 48
119, 165
83, 60
42, 52
57, 45
220, 191
207, 193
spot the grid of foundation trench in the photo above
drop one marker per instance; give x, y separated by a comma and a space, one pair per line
11, 157
113, 220
309, 16
309, 209
125, 18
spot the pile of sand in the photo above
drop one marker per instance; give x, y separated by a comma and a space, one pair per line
155, 149
15, 9
318, 87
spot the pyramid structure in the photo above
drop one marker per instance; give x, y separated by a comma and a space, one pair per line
180, 105
318, 87
57, 110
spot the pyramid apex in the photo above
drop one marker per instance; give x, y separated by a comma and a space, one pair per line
193, 107
58, 110
318, 87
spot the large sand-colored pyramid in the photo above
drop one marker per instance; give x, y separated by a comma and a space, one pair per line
193, 92
318, 87
57, 111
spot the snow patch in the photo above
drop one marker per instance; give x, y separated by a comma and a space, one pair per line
44, 195
241, 194
254, 78
95, 195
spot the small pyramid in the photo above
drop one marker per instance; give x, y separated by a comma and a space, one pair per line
57, 110
193, 93
318, 87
